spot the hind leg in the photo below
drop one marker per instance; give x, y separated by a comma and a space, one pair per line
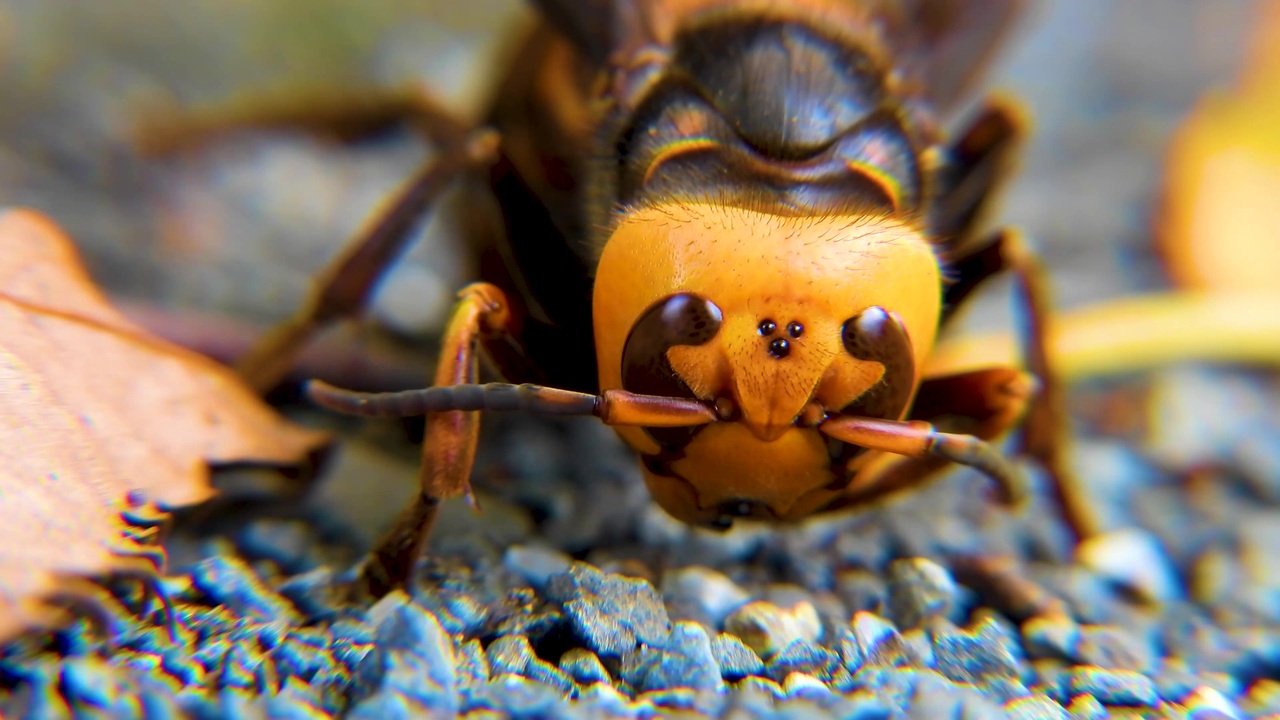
344, 287
1045, 434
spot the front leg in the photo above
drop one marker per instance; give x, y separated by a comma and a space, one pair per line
981, 406
482, 317
449, 447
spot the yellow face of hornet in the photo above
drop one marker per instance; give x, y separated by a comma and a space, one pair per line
766, 315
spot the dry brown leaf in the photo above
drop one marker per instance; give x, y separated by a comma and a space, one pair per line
1220, 225
91, 410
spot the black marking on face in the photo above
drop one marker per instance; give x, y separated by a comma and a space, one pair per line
877, 336
682, 319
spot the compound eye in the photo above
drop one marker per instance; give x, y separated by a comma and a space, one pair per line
681, 319
879, 336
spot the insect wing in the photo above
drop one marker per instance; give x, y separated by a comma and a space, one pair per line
943, 46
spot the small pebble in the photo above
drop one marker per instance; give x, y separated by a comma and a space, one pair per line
139, 663
673, 698
1205, 703
686, 661
517, 697
919, 589
803, 656
767, 628
1035, 707
458, 612
413, 657
932, 696
584, 667
91, 681
802, 685
1051, 636
606, 698
735, 659
227, 580
179, 664
974, 654
705, 595
1087, 707
1114, 687
239, 668
509, 654
1004, 689
759, 685
862, 591
1133, 559
919, 645
522, 612
294, 659
879, 644
863, 705
541, 671
1175, 681
610, 614
536, 565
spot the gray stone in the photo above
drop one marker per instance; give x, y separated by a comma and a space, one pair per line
919, 589
612, 615
1114, 687
231, 582
703, 594
767, 628
686, 661
1133, 559
735, 659
583, 666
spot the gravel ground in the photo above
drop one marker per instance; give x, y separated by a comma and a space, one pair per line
571, 595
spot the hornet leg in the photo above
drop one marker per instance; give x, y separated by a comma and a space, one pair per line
449, 447
977, 406
1045, 434
343, 115
344, 287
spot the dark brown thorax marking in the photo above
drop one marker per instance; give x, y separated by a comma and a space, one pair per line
682, 319
877, 336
